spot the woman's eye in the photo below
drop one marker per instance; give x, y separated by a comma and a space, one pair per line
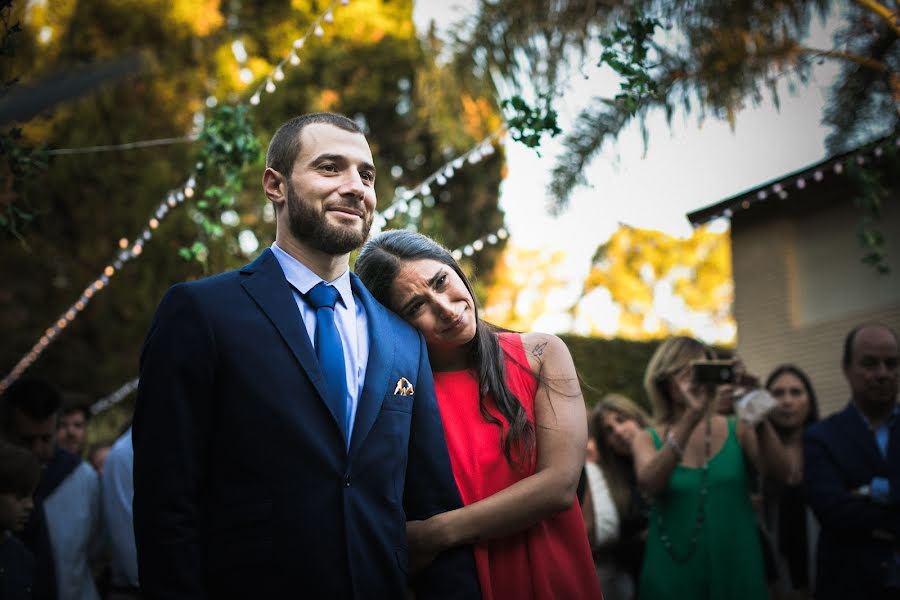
441, 281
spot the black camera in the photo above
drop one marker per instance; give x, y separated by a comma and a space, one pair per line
712, 372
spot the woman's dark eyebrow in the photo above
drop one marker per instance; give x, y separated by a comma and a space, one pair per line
431, 283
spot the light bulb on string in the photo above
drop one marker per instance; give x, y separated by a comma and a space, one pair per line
294, 59
458, 163
456, 254
425, 190
319, 32
278, 75
328, 17
270, 86
440, 180
345, 2
478, 245
502, 233
254, 99
467, 250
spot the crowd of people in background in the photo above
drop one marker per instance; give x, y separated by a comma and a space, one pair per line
713, 506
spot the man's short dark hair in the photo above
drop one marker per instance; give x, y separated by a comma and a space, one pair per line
35, 398
847, 356
19, 470
75, 403
285, 144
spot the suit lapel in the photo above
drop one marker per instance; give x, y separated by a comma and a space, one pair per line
265, 282
379, 367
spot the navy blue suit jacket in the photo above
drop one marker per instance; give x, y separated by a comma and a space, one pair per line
858, 536
244, 486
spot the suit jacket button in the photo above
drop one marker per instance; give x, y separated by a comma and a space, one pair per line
347, 482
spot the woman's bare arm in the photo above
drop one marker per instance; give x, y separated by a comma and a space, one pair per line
561, 438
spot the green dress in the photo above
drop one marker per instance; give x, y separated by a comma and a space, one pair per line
725, 562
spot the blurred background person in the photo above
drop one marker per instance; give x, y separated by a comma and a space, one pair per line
62, 529
117, 517
72, 425
788, 521
851, 474
19, 474
703, 540
615, 423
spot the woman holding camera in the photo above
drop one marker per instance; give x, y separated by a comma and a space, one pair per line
703, 541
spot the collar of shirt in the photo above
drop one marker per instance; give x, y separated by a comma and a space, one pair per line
303, 279
882, 434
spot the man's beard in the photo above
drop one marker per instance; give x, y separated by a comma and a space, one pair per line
310, 226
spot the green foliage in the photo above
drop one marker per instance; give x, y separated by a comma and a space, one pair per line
626, 51
873, 191
528, 124
229, 146
20, 161
611, 365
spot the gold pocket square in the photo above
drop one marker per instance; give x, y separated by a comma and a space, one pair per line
403, 387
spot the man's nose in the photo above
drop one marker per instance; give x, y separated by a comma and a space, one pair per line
353, 185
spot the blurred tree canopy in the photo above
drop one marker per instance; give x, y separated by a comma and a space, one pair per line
641, 268
369, 64
708, 56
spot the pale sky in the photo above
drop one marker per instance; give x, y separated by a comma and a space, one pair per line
686, 166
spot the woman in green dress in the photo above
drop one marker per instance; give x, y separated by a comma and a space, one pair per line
702, 542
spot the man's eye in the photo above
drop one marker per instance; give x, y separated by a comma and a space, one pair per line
367, 176
328, 167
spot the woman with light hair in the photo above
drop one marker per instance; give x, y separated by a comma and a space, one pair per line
703, 541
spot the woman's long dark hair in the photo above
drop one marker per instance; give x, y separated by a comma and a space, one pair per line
377, 265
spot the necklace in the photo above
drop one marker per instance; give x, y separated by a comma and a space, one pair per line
701, 512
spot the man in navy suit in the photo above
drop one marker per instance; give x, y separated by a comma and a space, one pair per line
253, 477
852, 475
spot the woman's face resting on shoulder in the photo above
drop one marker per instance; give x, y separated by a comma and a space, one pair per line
432, 297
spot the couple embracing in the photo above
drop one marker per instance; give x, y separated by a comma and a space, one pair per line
295, 438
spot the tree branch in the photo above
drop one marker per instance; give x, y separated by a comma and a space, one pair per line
854, 58
883, 12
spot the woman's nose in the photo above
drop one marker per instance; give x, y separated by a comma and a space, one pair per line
444, 308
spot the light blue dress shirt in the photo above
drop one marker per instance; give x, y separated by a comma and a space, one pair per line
349, 316
118, 519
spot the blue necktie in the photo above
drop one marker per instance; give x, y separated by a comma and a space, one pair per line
330, 351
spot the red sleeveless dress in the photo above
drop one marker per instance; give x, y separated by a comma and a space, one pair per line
552, 559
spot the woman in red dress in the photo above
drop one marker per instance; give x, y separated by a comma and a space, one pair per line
515, 424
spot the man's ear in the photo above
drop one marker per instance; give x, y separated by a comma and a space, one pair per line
274, 186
